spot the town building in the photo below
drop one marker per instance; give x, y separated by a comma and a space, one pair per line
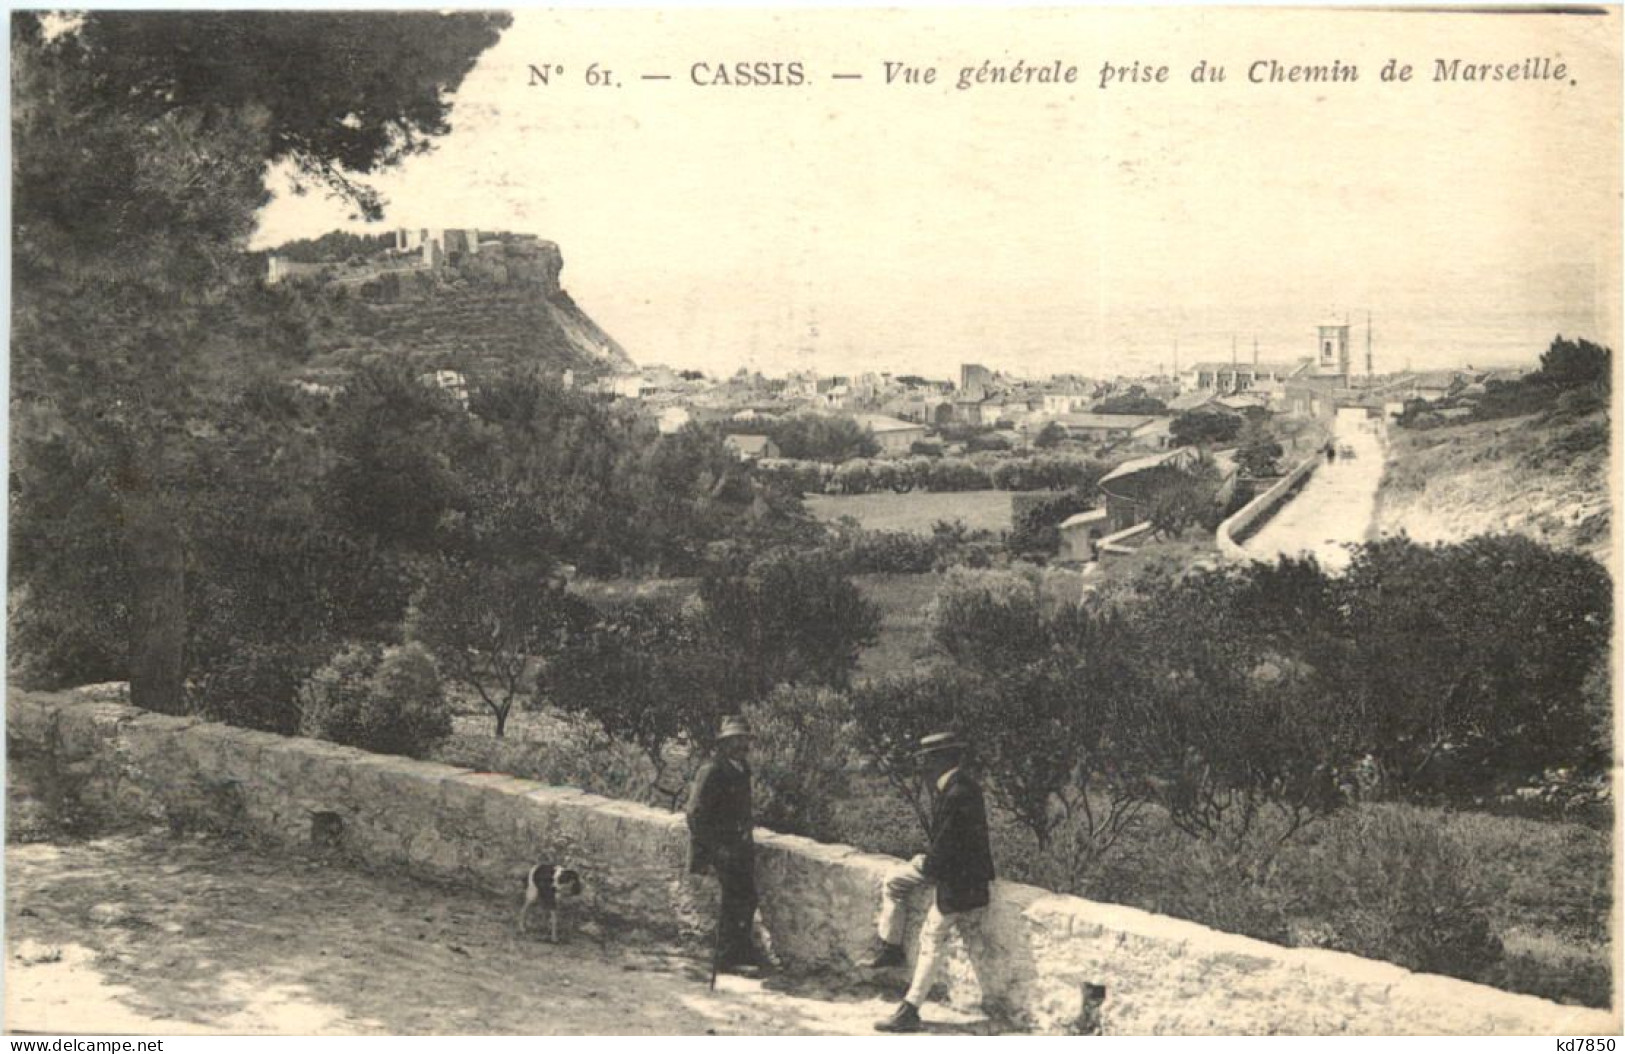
751, 448
894, 437
1079, 534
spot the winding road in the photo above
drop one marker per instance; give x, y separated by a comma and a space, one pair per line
1334, 509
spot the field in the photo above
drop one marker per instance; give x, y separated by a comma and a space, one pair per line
916, 511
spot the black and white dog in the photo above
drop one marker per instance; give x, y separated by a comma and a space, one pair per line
547, 885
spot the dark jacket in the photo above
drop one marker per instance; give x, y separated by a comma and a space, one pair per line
959, 860
719, 816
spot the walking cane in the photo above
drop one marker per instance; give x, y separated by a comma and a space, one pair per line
716, 951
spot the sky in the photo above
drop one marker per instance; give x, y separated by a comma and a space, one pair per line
851, 225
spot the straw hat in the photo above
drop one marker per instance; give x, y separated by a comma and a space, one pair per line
732, 727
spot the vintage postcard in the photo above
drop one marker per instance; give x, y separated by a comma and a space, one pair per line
842, 521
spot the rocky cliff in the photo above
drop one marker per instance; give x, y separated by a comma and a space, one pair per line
1544, 476
501, 305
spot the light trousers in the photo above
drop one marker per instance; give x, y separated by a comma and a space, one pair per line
893, 927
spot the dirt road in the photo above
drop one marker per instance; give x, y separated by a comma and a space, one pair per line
152, 933
1335, 508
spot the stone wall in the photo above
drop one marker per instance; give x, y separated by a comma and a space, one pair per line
1251, 517
445, 824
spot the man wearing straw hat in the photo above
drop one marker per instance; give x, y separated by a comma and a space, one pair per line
720, 839
960, 864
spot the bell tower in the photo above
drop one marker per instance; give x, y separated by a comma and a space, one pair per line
1332, 353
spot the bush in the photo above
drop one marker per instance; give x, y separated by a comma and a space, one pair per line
886, 552
1037, 518
386, 700
574, 752
256, 686
1390, 884
1469, 663
799, 759
788, 617
1196, 428
957, 474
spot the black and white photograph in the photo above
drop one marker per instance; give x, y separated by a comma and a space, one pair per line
840, 521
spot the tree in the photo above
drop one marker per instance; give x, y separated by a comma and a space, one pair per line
141, 144
891, 713
1176, 499
1574, 364
1470, 661
490, 625
787, 618
1133, 401
820, 437
1259, 454
1195, 428
387, 700
641, 671
1050, 436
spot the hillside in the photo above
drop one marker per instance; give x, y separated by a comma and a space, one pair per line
460, 310
1543, 475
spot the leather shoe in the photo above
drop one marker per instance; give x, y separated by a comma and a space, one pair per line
905, 1019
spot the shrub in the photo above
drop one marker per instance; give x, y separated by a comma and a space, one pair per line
1037, 518
957, 474
1469, 662
799, 759
886, 552
1195, 428
386, 700
256, 686
1390, 884
1051, 435
575, 752
788, 617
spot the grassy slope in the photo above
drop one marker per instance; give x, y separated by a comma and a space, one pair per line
916, 511
1540, 477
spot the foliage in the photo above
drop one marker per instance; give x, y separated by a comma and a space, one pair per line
1259, 454
386, 700
1575, 378
891, 714
1469, 662
884, 552
1575, 364
983, 443
334, 247
787, 618
1177, 499
1053, 434
799, 759
142, 143
816, 437
489, 625
1133, 401
1199, 428
641, 671
1388, 884
1037, 518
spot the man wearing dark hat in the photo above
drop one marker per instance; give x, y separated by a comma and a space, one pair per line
720, 838
960, 864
